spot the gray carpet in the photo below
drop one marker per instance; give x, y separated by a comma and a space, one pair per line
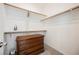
50, 51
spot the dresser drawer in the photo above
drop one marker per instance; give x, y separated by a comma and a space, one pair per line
32, 49
32, 40
27, 46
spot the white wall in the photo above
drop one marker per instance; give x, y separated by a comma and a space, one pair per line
63, 32
19, 17
1, 26
1, 21
14, 17
35, 22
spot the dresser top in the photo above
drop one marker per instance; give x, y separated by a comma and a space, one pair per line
24, 31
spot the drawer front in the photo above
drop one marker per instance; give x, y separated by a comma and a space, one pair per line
31, 50
29, 41
27, 46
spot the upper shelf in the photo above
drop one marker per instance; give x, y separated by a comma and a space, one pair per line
60, 13
24, 9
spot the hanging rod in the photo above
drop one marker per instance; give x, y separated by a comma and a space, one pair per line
24, 9
60, 13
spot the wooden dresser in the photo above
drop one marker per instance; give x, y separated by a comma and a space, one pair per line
30, 44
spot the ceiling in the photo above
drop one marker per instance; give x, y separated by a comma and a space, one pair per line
48, 9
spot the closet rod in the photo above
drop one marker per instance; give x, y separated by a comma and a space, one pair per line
24, 9
60, 13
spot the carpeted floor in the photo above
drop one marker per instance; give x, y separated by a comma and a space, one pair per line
50, 51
